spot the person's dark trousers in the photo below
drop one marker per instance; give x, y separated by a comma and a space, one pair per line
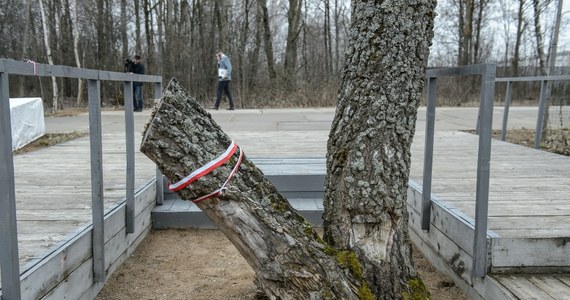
224, 86
137, 98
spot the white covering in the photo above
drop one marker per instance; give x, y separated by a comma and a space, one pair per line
27, 119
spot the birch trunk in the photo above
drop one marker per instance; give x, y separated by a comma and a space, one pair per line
75, 25
287, 255
49, 56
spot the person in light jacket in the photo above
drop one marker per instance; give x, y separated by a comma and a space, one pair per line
224, 78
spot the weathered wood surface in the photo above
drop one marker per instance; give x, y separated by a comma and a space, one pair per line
49, 194
53, 191
537, 286
529, 189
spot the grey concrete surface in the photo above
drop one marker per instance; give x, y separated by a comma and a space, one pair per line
302, 119
274, 133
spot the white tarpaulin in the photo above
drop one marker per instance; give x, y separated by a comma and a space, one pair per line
27, 120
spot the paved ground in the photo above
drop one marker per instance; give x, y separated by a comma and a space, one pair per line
306, 119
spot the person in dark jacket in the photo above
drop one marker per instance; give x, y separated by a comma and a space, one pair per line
224, 78
137, 68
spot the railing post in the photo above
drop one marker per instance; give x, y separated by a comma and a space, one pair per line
540, 117
508, 96
159, 180
9, 257
428, 153
483, 171
97, 205
130, 156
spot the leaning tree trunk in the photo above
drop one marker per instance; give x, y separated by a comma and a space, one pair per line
368, 160
290, 260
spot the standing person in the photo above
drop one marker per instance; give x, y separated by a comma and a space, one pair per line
137, 68
224, 78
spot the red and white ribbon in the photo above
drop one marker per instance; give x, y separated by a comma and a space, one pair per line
207, 168
223, 187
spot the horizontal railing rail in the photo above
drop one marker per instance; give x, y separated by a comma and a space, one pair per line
9, 258
542, 101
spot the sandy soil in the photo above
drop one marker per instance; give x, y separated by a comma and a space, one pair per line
203, 264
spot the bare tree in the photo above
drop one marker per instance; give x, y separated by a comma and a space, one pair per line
551, 65
294, 17
368, 158
520, 29
467, 8
55, 90
75, 25
268, 42
538, 35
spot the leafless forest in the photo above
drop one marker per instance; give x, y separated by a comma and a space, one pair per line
285, 53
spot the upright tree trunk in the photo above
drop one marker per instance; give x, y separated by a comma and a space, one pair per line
254, 55
478, 25
25, 45
289, 259
460, 26
242, 53
327, 40
551, 66
149, 32
49, 56
538, 35
520, 29
221, 25
337, 13
368, 155
467, 33
75, 24
293, 29
123, 29
137, 13
268, 41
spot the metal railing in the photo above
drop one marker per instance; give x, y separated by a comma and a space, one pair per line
484, 124
9, 258
542, 102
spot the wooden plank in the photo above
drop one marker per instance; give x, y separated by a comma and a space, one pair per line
523, 288
486, 288
55, 268
565, 278
457, 258
551, 285
525, 252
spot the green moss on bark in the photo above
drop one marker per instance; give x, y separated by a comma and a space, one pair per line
416, 290
349, 260
364, 292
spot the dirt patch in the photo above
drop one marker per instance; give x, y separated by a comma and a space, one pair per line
50, 139
203, 264
68, 112
555, 140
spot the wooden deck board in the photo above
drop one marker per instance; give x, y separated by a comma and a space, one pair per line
529, 189
54, 200
524, 289
528, 185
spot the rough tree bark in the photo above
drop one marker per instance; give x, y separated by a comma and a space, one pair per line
289, 258
368, 160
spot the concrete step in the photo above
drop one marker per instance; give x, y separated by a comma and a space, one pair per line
300, 180
175, 213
